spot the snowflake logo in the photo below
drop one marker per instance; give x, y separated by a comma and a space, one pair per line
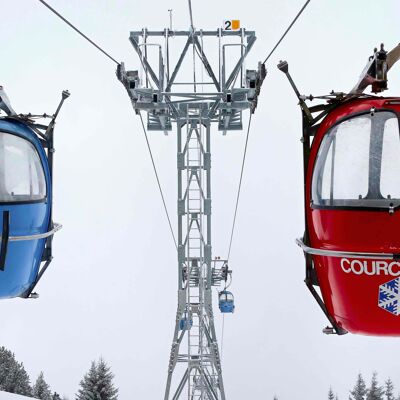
389, 296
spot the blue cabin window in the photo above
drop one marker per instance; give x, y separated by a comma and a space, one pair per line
226, 296
21, 171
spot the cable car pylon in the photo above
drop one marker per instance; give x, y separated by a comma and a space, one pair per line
194, 369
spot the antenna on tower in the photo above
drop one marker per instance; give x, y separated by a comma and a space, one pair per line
170, 18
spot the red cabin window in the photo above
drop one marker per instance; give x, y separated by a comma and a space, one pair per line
358, 163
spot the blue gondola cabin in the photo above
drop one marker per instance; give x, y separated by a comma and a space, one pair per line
25, 206
226, 302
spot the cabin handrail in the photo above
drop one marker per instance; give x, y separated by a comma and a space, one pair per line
348, 254
56, 228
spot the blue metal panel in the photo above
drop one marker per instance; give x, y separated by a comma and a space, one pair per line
24, 257
226, 306
185, 324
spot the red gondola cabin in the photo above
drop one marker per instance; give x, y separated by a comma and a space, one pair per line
352, 203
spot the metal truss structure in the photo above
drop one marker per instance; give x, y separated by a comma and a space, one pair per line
166, 100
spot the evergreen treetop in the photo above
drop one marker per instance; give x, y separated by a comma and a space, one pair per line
97, 384
13, 377
389, 389
375, 392
359, 391
41, 390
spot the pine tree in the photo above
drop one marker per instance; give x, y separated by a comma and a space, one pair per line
106, 386
18, 380
13, 377
7, 362
97, 384
56, 396
375, 392
88, 384
389, 389
331, 395
360, 389
41, 390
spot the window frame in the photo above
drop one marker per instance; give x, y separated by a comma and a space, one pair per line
44, 169
362, 207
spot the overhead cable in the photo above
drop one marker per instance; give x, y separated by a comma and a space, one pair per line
141, 118
239, 187
222, 334
248, 130
191, 14
78, 31
287, 30
158, 182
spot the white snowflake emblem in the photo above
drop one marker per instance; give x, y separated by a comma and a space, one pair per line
389, 296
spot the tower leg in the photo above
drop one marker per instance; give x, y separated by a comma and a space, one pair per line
194, 343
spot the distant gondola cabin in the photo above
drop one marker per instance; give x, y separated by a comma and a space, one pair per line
226, 302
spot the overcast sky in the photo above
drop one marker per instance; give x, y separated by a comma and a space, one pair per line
111, 289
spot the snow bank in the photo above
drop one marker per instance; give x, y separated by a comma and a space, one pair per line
10, 396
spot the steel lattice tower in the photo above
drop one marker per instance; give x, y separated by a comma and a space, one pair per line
194, 348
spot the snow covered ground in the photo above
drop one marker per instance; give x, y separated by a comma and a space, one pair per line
10, 396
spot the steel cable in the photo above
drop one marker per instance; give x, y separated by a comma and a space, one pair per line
248, 130
191, 14
158, 182
141, 118
239, 187
78, 31
287, 30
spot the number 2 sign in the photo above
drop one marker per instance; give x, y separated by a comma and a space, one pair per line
231, 25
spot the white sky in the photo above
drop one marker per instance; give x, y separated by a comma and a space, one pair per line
111, 289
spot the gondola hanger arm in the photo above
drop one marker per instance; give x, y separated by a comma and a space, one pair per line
284, 67
5, 103
393, 56
375, 72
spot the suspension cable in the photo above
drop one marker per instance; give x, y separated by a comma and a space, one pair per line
78, 31
222, 335
158, 182
141, 118
191, 14
287, 30
248, 130
239, 187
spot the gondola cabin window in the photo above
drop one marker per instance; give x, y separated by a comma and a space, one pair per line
21, 171
390, 174
358, 163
